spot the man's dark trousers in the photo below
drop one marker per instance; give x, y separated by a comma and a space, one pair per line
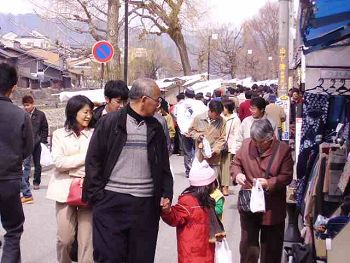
12, 219
37, 166
125, 228
188, 148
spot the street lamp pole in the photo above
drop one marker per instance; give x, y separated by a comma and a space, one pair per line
271, 67
126, 41
249, 53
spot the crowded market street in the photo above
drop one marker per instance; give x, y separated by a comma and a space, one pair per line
39, 237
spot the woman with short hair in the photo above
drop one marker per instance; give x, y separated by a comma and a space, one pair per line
265, 159
232, 128
69, 148
257, 108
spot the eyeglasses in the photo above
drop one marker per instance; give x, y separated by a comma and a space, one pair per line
158, 100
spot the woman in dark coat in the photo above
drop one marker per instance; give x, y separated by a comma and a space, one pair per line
250, 164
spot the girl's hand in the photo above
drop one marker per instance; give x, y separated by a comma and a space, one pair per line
165, 205
166, 209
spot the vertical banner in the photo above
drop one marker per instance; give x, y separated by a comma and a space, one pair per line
285, 104
298, 124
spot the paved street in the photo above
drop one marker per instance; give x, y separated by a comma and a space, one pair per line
39, 238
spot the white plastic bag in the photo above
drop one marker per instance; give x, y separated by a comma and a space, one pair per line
257, 198
45, 157
223, 254
206, 151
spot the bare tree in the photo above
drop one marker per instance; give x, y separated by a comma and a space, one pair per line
151, 61
99, 19
226, 52
261, 36
166, 17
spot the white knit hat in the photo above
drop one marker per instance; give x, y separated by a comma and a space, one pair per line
201, 173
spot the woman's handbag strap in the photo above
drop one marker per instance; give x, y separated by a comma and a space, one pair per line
267, 171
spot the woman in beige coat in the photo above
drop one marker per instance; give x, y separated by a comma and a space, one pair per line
232, 128
69, 147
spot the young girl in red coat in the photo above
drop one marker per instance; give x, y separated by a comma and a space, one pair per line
197, 225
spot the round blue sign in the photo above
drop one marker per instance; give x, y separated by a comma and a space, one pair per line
103, 51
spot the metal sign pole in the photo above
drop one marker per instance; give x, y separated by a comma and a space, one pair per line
102, 74
126, 41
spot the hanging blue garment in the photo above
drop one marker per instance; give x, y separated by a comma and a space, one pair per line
315, 109
336, 112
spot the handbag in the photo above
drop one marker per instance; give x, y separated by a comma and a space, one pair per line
243, 202
225, 147
75, 193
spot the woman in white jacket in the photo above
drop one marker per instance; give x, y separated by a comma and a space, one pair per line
232, 128
69, 147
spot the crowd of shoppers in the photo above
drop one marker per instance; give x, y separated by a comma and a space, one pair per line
231, 138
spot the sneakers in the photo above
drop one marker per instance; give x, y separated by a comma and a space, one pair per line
27, 200
36, 187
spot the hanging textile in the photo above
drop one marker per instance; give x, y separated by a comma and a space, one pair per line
315, 111
336, 112
334, 170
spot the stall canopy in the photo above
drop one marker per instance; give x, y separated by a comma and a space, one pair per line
324, 23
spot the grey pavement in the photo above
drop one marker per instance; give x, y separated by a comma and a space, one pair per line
39, 238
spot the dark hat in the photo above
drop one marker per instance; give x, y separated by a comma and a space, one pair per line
189, 93
272, 98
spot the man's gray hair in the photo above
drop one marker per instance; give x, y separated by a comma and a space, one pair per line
142, 87
261, 130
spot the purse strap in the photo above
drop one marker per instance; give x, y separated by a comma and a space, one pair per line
267, 171
229, 131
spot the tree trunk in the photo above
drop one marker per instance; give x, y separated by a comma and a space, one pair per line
113, 67
179, 40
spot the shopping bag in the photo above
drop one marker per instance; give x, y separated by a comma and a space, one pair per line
223, 254
206, 151
257, 198
45, 157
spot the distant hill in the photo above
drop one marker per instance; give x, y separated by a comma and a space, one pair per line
24, 23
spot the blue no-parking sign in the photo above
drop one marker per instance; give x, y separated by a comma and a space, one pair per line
103, 51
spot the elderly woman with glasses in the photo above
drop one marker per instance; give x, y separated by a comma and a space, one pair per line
265, 159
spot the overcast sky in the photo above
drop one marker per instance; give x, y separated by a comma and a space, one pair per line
223, 11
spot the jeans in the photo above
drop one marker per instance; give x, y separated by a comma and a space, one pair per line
12, 219
188, 148
37, 167
25, 186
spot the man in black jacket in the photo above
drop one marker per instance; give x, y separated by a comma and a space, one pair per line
16, 143
116, 96
40, 131
128, 179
